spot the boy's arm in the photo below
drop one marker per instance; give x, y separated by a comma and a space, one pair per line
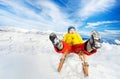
64, 37
80, 38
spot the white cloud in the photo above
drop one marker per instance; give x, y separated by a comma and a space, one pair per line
112, 31
111, 34
91, 7
54, 12
50, 16
84, 33
95, 24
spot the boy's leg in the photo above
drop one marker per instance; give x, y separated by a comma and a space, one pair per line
60, 46
94, 42
55, 41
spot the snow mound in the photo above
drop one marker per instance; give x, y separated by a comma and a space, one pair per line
30, 55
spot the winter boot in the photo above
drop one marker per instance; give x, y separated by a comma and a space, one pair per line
95, 40
55, 41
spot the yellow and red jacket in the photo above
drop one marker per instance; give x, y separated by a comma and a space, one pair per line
73, 39
74, 43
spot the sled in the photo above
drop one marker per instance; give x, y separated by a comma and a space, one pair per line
85, 65
85, 68
62, 61
82, 57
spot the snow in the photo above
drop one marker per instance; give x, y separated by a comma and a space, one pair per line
28, 54
117, 41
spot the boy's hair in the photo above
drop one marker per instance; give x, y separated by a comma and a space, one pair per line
71, 27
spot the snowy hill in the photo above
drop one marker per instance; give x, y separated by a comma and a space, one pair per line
28, 54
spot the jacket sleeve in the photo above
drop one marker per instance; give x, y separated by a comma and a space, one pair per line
64, 37
80, 38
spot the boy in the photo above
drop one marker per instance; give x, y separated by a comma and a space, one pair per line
72, 42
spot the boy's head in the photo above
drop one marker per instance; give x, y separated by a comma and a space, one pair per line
71, 30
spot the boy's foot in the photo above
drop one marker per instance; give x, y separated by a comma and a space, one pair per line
55, 41
95, 38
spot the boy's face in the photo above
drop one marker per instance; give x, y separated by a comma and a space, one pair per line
72, 31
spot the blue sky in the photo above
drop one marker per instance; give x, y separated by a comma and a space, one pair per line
57, 15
